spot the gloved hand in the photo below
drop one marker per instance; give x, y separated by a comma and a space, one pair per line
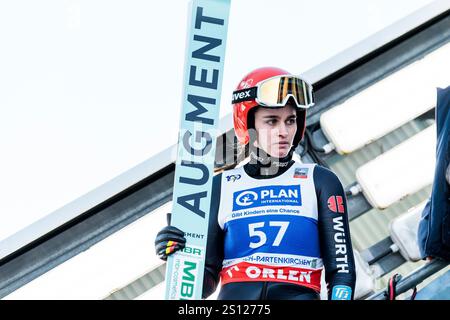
169, 240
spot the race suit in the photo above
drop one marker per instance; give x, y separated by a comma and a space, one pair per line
271, 235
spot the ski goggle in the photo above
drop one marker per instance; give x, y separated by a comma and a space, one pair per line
275, 92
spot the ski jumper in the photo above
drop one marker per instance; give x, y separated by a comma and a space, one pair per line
271, 235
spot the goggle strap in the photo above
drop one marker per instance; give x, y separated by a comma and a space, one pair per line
244, 95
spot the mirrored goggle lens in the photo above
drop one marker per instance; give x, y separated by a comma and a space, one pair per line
276, 91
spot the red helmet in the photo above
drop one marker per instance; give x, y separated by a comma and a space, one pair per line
241, 109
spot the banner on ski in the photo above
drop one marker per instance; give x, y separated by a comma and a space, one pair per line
203, 74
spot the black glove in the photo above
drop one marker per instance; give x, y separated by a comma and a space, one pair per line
169, 240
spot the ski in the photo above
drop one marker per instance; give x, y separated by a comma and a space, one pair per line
203, 74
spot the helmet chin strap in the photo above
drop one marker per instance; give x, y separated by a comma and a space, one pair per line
266, 160
263, 165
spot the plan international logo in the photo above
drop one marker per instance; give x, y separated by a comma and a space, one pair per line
267, 196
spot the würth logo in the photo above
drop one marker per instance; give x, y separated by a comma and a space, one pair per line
336, 204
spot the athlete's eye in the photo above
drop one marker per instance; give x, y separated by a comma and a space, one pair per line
271, 121
291, 121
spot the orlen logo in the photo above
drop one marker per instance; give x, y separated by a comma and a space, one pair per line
246, 198
267, 196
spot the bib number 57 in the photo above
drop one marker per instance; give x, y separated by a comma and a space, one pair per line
262, 237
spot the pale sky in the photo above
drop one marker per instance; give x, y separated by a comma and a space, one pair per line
89, 89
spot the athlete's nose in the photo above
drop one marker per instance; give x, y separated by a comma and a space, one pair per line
282, 130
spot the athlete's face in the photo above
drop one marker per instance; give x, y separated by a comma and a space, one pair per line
275, 130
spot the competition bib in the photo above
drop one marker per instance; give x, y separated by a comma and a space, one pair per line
271, 229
